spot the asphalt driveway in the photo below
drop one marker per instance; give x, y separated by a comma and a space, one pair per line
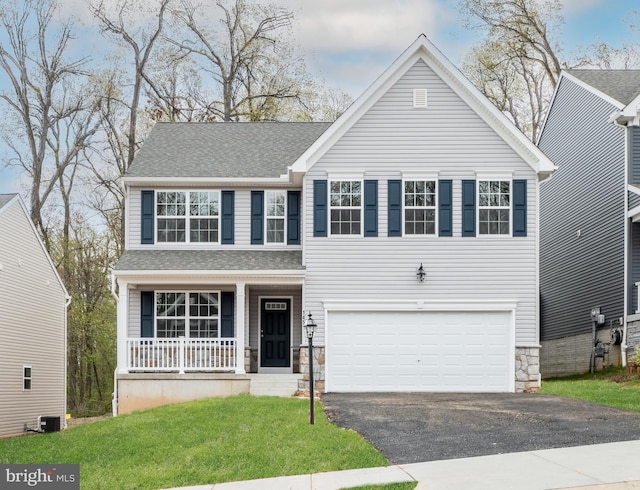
415, 427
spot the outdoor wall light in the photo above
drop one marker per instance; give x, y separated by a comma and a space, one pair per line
421, 274
310, 327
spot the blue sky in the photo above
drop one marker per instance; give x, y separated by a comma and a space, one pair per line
349, 43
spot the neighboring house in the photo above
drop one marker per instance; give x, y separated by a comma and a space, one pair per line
33, 321
236, 231
588, 213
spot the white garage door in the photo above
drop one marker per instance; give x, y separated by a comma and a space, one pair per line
380, 351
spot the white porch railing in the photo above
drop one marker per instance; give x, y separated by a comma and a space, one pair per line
151, 354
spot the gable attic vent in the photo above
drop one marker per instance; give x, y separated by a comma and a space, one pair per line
419, 98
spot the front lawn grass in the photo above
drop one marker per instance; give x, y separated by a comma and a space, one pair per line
203, 442
613, 387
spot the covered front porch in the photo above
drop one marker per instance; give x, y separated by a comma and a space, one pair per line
185, 335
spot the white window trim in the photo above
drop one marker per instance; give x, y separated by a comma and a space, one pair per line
361, 207
187, 316
284, 218
510, 207
187, 217
420, 177
25, 378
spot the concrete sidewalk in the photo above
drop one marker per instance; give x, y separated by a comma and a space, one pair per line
612, 466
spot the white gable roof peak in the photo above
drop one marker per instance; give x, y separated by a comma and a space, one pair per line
423, 49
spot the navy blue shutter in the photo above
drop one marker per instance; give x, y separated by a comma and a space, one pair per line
519, 208
257, 217
227, 217
320, 208
148, 217
146, 314
370, 208
293, 218
468, 208
226, 314
394, 211
445, 208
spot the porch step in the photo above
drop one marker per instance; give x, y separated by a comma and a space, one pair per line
284, 385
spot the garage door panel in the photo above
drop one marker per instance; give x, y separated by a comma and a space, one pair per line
418, 351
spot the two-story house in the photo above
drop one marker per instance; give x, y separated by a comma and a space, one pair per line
33, 321
588, 222
408, 228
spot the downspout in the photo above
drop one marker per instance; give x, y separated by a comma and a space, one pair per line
66, 316
625, 265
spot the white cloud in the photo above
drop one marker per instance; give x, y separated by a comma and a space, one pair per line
578, 6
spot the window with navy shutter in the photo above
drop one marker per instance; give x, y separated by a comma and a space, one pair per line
445, 208
519, 208
257, 217
227, 215
370, 208
146, 314
320, 208
394, 208
468, 208
148, 217
293, 218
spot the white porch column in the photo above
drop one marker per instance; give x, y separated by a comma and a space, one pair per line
123, 313
240, 327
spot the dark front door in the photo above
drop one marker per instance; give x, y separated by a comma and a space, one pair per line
275, 333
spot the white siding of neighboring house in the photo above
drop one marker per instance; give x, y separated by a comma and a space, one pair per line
242, 223
32, 321
452, 140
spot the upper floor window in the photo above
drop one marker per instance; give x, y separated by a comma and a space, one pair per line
188, 216
276, 216
494, 207
420, 207
345, 201
192, 314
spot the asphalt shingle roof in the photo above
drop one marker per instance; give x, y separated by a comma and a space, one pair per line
214, 260
233, 150
622, 85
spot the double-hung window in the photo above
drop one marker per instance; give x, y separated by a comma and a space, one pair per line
345, 199
187, 314
420, 207
188, 216
26, 377
494, 207
276, 216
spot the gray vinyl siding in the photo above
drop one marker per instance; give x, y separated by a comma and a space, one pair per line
634, 155
447, 138
634, 266
587, 195
634, 200
32, 321
242, 222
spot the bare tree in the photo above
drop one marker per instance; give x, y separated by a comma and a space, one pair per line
53, 120
251, 61
121, 24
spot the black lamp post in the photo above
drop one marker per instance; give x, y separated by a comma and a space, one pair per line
310, 327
